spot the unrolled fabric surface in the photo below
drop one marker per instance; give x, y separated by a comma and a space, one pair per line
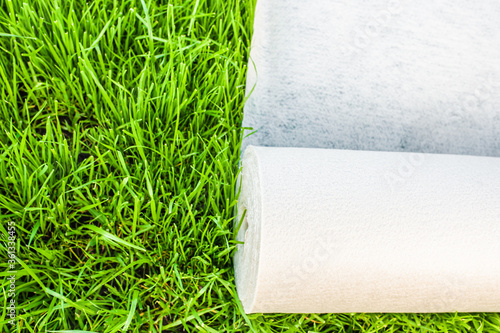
401, 212
395, 75
358, 231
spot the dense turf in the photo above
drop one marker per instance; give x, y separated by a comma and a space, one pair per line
119, 145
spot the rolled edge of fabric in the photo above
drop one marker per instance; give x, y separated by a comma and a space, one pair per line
336, 231
246, 258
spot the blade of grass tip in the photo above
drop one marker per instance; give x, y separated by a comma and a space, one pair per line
6, 83
71, 331
120, 272
33, 232
148, 25
111, 237
86, 64
191, 23
151, 195
16, 36
191, 317
202, 326
70, 302
103, 31
30, 272
135, 298
240, 223
137, 211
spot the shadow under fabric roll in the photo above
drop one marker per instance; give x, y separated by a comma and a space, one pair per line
372, 181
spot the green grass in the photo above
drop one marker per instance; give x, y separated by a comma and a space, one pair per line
119, 145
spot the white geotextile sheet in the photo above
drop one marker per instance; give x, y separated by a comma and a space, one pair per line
420, 76
371, 224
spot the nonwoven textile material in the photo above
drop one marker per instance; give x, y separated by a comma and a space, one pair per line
417, 76
330, 230
371, 158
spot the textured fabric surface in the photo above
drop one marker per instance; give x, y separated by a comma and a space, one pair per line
395, 216
356, 231
416, 76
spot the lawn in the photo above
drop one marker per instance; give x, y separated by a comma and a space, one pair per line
120, 132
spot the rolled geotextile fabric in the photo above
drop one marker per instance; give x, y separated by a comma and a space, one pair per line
371, 179
357, 231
